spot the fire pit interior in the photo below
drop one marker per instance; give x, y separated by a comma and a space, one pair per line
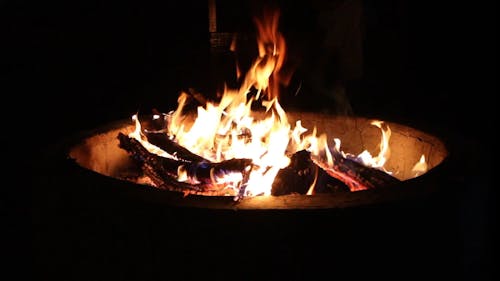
99, 151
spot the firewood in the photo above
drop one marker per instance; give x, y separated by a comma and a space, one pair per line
301, 174
354, 174
161, 170
201, 176
297, 177
162, 140
345, 175
305, 172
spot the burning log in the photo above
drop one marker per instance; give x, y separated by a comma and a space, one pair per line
303, 175
297, 177
200, 177
159, 169
354, 174
155, 131
161, 140
309, 175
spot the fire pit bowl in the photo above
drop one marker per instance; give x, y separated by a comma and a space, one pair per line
98, 151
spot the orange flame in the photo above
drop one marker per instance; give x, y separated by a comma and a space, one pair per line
272, 50
231, 129
384, 154
420, 167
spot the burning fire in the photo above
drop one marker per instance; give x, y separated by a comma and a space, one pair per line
233, 128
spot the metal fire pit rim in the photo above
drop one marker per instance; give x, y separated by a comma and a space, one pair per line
412, 188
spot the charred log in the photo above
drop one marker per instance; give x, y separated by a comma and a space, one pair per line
155, 131
162, 171
297, 177
306, 171
162, 140
208, 172
354, 174
191, 173
328, 184
303, 174
200, 176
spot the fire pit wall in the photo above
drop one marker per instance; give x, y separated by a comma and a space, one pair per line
99, 151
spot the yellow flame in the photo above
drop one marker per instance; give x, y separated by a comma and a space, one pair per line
137, 134
228, 129
384, 151
420, 167
231, 129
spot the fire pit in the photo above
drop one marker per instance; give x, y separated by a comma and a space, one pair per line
99, 151
245, 151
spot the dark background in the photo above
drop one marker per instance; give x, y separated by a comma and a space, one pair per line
74, 65
433, 62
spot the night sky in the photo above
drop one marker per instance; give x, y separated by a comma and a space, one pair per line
74, 65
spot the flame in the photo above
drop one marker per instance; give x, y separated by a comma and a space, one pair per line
137, 134
420, 167
384, 153
232, 129
272, 49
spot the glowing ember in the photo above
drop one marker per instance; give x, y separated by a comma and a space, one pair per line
233, 129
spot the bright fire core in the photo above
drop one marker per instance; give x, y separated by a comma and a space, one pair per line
231, 128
